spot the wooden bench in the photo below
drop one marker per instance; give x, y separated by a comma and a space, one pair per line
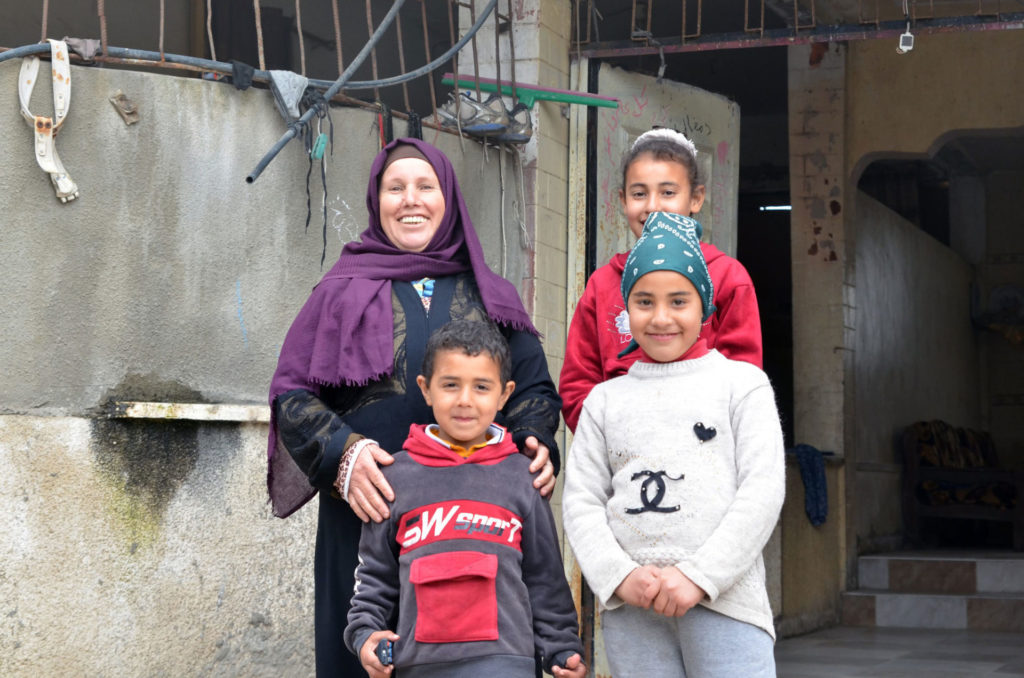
954, 473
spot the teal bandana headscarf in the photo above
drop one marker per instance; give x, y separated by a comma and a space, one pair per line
669, 242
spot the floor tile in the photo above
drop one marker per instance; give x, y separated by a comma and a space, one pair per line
847, 652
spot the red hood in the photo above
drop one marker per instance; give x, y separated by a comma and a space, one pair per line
710, 252
427, 451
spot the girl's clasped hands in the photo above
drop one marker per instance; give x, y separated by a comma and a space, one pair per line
670, 592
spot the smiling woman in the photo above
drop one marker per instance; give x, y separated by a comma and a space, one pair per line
345, 394
411, 202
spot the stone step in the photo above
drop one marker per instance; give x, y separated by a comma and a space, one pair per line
981, 612
943, 572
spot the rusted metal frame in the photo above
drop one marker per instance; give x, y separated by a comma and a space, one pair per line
190, 67
161, 30
796, 17
590, 19
401, 61
586, 20
860, 14
209, 28
373, 50
700, 9
645, 33
101, 11
455, 62
293, 129
511, 51
302, 45
999, 6
259, 34
577, 29
476, 56
786, 37
426, 49
497, 48
200, 64
337, 34
746, 19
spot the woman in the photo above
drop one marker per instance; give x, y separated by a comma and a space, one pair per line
345, 391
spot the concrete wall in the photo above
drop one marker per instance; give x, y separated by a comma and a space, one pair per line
813, 565
142, 547
962, 80
848, 105
916, 353
1002, 273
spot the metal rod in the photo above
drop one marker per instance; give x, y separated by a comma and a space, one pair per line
101, 10
401, 61
259, 34
497, 46
512, 52
780, 37
302, 46
145, 57
426, 49
373, 49
476, 57
209, 28
340, 82
161, 30
337, 33
46, 16
455, 64
785, 37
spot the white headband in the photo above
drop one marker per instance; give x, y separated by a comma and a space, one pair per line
669, 135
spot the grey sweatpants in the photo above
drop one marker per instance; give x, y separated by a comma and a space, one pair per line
700, 644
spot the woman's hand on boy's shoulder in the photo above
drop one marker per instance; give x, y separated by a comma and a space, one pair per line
677, 594
540, 457
368, 654
574, 668
640, 587
369, 491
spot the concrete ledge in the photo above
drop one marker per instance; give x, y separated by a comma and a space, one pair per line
133, 409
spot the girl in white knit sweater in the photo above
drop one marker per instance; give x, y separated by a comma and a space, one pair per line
675, 481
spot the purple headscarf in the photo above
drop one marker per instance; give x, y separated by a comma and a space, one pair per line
344, 334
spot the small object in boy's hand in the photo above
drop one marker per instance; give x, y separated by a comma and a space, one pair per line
384, 651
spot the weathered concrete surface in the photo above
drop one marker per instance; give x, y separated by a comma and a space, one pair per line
124, 558
170, 272
963, 81
146, 547
913, 315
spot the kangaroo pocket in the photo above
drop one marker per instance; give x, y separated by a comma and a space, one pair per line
455, 597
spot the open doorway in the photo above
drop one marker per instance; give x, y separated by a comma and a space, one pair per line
756, 79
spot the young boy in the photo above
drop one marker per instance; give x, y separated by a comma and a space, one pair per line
468, 563
675, 481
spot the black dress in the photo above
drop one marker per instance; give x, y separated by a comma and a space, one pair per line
317, 430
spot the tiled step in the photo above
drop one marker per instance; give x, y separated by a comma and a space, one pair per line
943, 573
989, 612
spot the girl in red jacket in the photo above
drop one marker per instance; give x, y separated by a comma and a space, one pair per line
659, 174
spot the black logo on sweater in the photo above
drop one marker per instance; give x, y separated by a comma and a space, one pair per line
703, 434
657, 480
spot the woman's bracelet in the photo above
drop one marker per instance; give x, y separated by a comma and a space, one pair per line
348, 464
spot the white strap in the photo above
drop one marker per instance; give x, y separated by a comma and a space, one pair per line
46, 128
